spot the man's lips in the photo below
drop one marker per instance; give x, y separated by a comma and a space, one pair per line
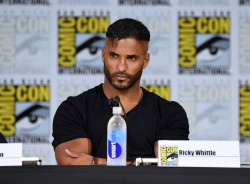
121, 77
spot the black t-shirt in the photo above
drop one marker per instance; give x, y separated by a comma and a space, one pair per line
87, 116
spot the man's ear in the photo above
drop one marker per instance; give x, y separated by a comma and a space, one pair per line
103, 54
146, 60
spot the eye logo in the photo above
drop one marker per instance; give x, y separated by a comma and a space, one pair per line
90, 50
32, 44
32, 117
212, 49
156, 44
172, 157
214, 114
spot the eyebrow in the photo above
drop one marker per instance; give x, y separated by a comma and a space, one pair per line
133, 55
112, 52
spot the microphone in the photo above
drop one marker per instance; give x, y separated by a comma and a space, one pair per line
114, 102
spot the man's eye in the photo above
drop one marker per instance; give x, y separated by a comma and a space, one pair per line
113, 55
131, 57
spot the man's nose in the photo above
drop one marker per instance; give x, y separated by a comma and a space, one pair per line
122, 65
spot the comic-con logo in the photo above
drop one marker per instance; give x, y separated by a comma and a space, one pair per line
24, 110
208, 108
244, 113
169, 156
24, 43
244, 37
80, 42
204, 44
161, 90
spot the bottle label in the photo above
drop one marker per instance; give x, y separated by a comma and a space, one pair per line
114, 148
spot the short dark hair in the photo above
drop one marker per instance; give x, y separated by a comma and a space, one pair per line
128, 28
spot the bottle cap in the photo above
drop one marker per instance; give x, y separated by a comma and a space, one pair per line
117, 110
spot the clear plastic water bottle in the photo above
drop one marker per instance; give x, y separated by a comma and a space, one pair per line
117, 139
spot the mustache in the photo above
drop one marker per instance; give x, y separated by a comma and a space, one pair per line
121, 73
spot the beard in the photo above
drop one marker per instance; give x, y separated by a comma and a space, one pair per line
122, 85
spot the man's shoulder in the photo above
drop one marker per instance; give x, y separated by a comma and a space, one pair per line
91, 91
162, 102
154, 97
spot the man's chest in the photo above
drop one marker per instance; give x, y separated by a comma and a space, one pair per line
141, 128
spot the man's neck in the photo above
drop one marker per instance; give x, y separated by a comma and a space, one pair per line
129, 97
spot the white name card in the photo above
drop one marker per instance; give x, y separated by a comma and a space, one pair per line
10, 154
198, 153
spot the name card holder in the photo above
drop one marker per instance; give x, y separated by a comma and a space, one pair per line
198, 153
10, 154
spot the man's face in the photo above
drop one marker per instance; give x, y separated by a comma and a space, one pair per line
124, 61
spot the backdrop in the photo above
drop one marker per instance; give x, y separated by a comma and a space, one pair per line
200, 57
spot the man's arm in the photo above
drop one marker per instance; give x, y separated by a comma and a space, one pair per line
156, 149
80, 147
76, 152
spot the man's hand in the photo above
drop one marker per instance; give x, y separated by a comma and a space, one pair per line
156, 149
74, 152
79, 158
77, 152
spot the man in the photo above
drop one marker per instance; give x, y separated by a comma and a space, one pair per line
80, 123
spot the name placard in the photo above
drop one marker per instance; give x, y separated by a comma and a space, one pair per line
198, 153
10, 154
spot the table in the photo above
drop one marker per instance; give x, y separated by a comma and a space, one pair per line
119, 175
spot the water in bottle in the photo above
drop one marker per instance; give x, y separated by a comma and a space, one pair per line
116, 139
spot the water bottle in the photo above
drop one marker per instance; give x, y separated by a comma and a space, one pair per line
117, 139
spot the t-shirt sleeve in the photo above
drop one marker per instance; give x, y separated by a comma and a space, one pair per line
174, 123
69, 122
